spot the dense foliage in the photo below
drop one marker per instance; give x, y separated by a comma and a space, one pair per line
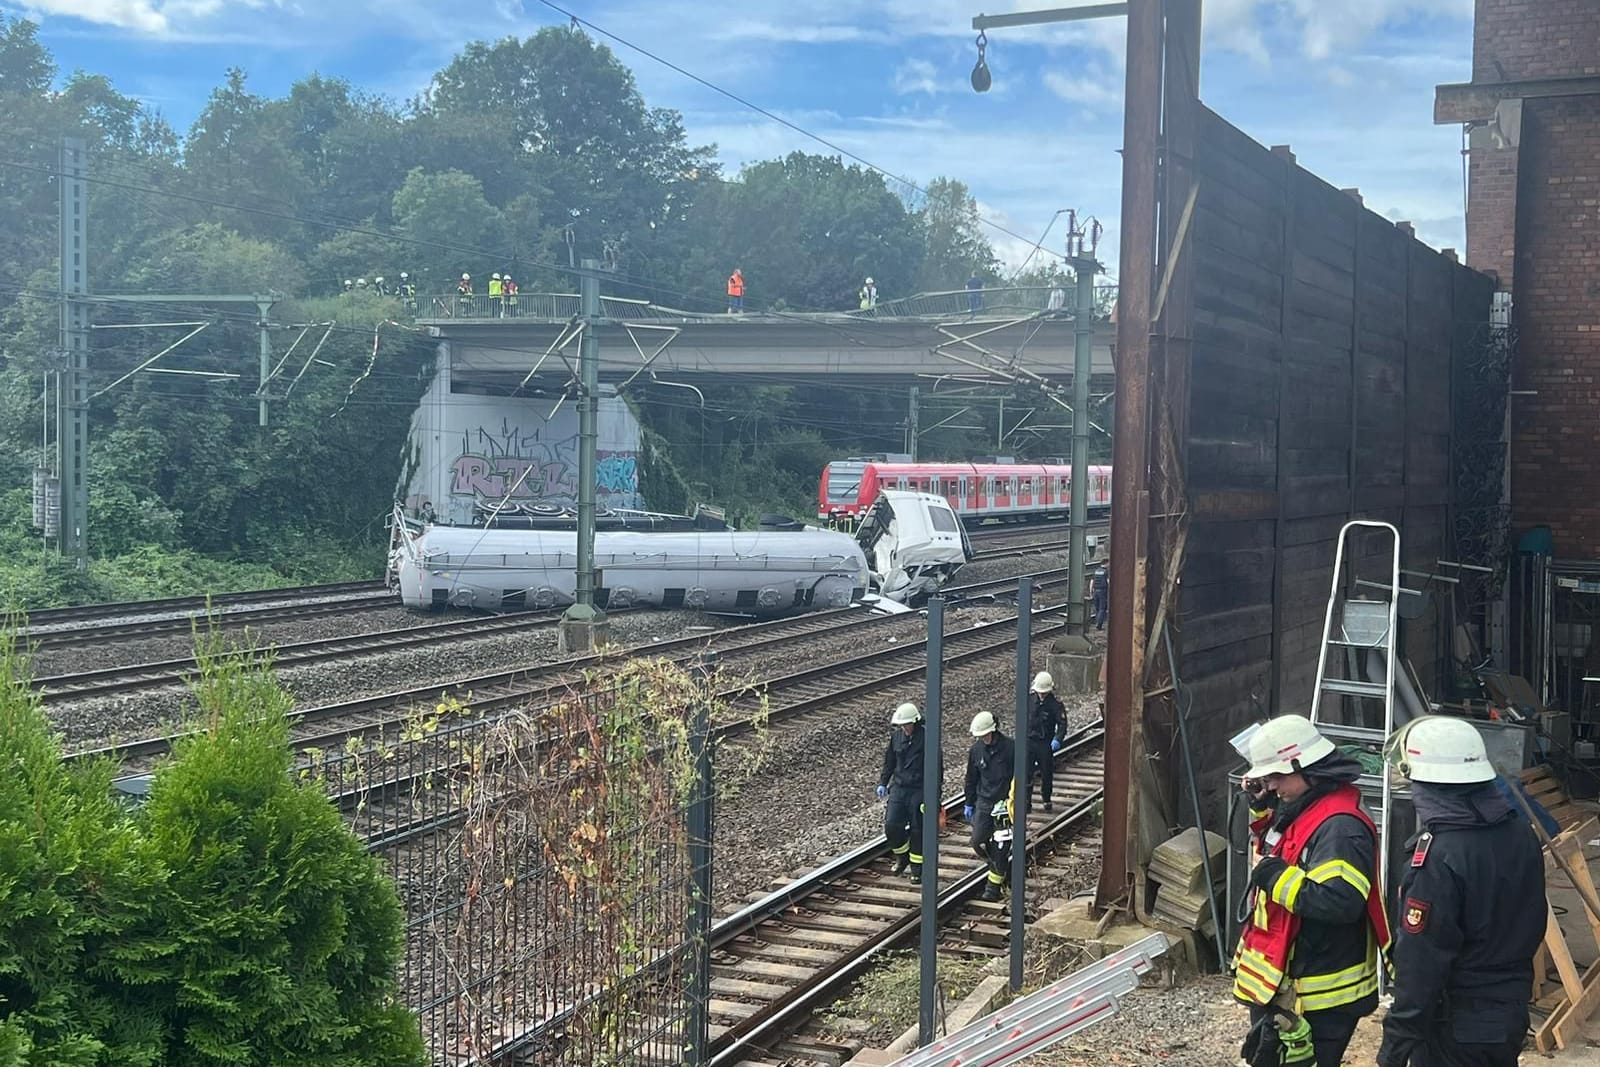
233, 920
518, 154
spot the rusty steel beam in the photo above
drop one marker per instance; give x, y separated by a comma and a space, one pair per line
1141, 130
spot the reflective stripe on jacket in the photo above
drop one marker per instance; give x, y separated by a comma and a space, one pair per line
1272, 936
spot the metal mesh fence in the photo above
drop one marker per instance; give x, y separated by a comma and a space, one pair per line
547, 873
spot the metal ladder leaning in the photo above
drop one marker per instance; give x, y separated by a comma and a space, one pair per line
1357, 631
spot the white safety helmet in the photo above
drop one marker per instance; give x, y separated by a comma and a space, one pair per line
466, 277
870, 281
982, 723
905, 713
495, 275
1440, 749
1286, 745
1043, 683
404, 275
361, 283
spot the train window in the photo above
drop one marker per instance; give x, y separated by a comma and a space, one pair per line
1027, 485
952, 487
943, 521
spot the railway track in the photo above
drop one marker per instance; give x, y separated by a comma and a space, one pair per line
330, 726
140, 630
795, 951
192, 604
792, 952
109, 681
398, 808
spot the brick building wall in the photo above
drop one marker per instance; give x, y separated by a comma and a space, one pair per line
1514, 40
1533, 219
1555, 451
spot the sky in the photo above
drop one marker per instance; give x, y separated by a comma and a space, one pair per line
1347, 83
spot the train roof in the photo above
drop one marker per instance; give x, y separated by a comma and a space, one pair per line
977, 468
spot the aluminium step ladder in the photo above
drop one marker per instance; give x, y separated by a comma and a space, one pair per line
1357, 665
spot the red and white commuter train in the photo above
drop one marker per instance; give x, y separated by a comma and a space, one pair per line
976, 490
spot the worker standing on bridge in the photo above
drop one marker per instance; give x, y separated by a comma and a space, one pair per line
1469, 927
974, 292
991, 766
1316, 927
869, 294
496, 287
1047, 721
508, 290
736, 292
901, 782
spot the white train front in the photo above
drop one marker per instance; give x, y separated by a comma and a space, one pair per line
761, 572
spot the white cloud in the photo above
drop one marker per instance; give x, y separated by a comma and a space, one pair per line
1095, 90
916, 76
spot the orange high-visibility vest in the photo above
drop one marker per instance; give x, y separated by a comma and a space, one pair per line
1262, 958
736, 284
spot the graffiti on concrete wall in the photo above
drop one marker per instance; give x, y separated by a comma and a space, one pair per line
531, 467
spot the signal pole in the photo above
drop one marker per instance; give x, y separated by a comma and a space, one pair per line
583, 625
72, 418
1082, 261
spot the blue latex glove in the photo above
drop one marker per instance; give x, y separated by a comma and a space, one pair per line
1055, 744
966, 812
883, 790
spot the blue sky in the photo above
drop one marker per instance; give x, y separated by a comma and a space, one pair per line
1348, 83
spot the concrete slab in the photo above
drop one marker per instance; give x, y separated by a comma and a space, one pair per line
1075, 673
1075, 922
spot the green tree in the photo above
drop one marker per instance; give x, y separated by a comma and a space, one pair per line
287, 931
442, 215
575, 119
807, 230
79, 951
955, 247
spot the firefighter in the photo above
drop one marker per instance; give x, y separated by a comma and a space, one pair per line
1047, 724
496, 287
1470, 909
901, 783
508, 289
869, 295
736, 292
1316, 927
991, 765
464, 286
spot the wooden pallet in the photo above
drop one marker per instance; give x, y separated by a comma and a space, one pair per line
1543, 785
1567, 1005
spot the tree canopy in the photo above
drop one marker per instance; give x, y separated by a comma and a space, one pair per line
516, 148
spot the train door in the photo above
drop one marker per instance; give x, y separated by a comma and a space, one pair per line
1025, 492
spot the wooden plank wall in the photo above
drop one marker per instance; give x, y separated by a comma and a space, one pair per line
1320, 391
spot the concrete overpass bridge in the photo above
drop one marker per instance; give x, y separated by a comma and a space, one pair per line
1012, 337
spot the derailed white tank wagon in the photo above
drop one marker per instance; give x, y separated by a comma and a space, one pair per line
761, 572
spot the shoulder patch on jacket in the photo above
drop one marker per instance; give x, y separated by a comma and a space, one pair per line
1415, 916
1420, 856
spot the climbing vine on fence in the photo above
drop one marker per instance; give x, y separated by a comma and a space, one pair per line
575, 865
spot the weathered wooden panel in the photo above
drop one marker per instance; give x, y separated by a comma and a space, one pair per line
1319, 391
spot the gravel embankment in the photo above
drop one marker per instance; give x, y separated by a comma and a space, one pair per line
103, 720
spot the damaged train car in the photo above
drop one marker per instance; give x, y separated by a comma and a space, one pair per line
909, 545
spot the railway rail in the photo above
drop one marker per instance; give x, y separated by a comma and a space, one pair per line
796, 950
182, 625
792, 952
108, 681
192, 604
388, 808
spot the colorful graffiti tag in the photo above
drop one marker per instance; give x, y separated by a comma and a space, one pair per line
529, 467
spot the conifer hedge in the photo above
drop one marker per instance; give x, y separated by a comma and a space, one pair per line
231, 920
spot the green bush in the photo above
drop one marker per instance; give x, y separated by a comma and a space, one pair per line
288, 932
234, 920
80, 952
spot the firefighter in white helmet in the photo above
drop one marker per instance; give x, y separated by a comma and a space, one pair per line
1316, 926
1469, 906
1047, 725
901, 782
991, 765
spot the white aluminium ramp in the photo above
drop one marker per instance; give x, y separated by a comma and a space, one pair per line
1043, 1018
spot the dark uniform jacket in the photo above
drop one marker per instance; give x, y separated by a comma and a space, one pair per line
989, 772
1471, 917
902, 761
1047, 718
